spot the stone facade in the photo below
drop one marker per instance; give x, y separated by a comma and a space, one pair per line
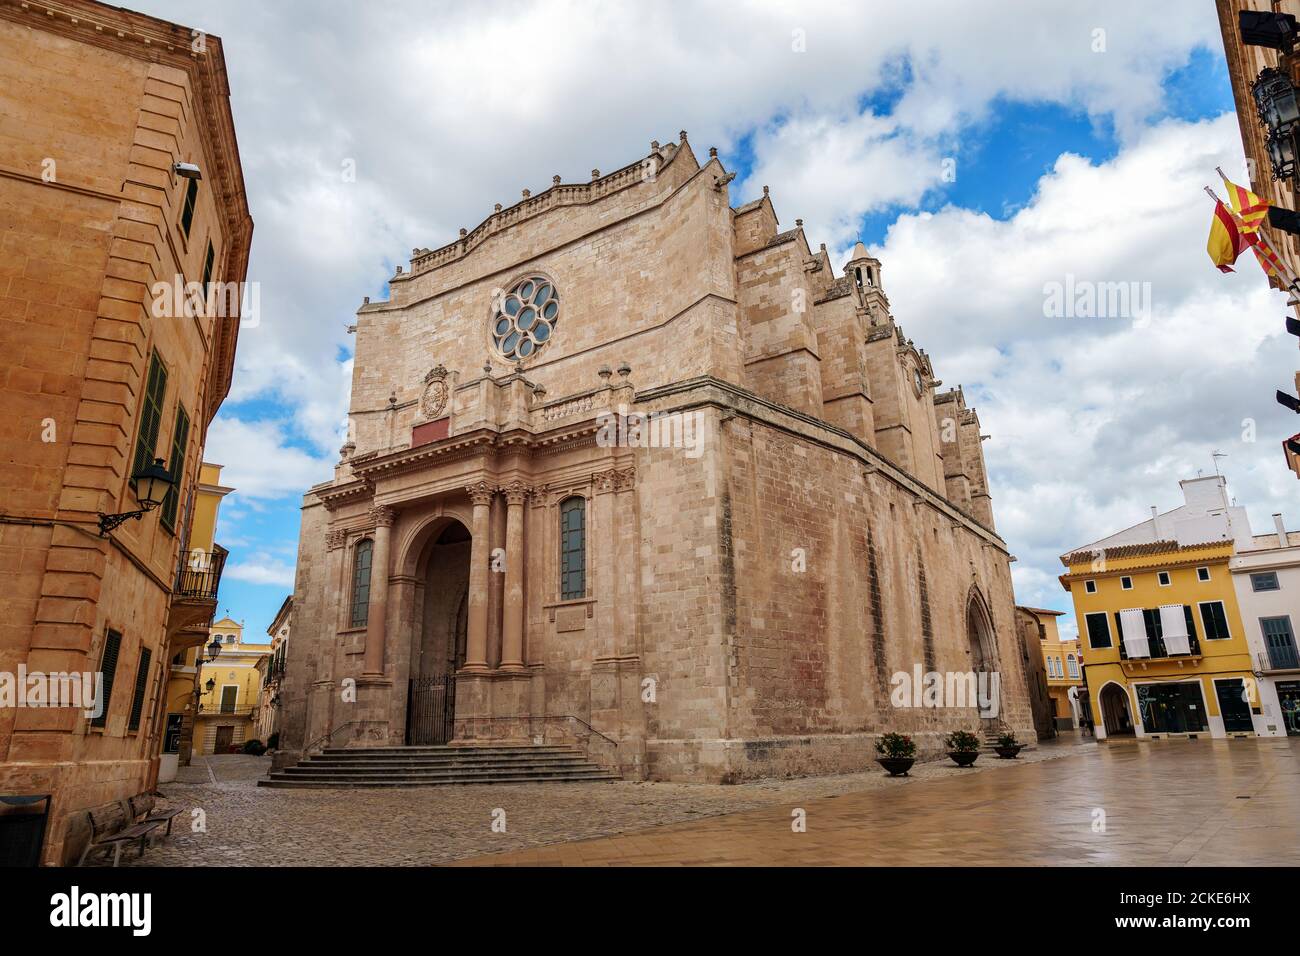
99, 103
751, 583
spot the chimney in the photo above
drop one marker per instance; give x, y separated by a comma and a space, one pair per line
1280, 525
1155, 522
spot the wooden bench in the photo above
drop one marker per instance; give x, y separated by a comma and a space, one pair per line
113, 826
142, 809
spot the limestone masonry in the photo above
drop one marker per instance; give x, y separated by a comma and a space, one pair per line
630, 467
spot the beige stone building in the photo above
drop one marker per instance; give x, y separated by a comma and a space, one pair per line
633, 467
97, 377
1274, 183
266, 718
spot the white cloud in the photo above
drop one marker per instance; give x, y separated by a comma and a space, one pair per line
1095, 419
261, 569
258, 462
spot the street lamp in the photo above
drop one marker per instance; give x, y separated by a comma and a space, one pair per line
210, 684
151, 486
1279, 111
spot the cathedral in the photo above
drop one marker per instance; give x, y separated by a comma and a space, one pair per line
633, 469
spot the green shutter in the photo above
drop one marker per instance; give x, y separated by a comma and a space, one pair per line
107, 669
141, 685
187, 211
176, 468
146, 441
207, 269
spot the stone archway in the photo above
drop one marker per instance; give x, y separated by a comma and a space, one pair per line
439, 632
1116, 717
982, 644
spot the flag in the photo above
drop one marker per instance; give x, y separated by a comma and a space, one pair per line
1268, 260
1250, 209
1226, 241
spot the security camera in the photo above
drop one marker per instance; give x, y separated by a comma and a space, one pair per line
187, 171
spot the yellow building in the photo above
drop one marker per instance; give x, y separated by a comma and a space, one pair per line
230, 687
1062, 665
1159, 621
203, 555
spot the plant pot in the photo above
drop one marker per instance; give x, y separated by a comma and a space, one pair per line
963, 758
897, 766
1009, 753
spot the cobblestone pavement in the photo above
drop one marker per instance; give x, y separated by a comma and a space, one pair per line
1169, 803
250, 825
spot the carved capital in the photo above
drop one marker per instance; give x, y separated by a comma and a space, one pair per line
480, 493
335, 540
604, 481
624, 479
382, 516
516, 492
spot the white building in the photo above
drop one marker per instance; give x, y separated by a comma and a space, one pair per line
1266, 578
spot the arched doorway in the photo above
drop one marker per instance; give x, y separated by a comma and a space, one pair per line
983, 649
1115, 715
438, 640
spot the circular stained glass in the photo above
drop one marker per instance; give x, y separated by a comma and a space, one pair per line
526, 318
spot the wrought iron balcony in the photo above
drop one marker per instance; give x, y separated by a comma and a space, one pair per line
199, 575
1279, 659
1156, 645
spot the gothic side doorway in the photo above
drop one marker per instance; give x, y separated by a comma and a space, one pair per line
439, 649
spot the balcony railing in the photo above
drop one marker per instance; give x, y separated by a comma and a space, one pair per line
1160, 652
199, 575
1279, 659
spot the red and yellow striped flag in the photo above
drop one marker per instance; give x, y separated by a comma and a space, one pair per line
1226, 241
1250, 209
1268, 260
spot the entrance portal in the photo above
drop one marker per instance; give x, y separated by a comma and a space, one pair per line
1114, 711
439, 649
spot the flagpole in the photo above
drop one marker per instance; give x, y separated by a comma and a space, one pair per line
1293, 284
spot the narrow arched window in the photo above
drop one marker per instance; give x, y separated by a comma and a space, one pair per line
573, 548
1074, 666
361, 582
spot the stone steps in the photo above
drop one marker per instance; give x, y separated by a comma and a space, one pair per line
425, 766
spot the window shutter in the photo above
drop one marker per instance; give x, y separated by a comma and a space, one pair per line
151, 415
187, 211
107, 669
176, 467
141, 685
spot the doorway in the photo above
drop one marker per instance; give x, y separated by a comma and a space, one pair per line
440, 640
225, 738
1233, 706
1115, 714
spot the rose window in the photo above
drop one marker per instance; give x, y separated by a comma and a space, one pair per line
526, 318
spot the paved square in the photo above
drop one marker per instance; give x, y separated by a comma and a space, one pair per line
1202, 802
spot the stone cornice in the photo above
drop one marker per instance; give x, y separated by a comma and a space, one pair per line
169, 44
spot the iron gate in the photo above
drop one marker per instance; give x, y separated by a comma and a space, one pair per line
430, 710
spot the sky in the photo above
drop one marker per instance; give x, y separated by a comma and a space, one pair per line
987, 153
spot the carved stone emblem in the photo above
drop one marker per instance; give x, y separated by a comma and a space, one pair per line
434, 399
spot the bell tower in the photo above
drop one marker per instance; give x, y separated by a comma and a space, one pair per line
863, 271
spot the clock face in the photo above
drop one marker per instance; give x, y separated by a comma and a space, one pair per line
917, 383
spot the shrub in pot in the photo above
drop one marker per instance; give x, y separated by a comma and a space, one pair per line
963, 747
1008, 747
897, 753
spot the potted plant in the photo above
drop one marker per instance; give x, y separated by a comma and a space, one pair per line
897, 753
1007, 747
963, 747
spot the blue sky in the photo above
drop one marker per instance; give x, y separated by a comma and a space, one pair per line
1070, 158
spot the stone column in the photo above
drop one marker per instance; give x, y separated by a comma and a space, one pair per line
377, 619
512, 625
480, 495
